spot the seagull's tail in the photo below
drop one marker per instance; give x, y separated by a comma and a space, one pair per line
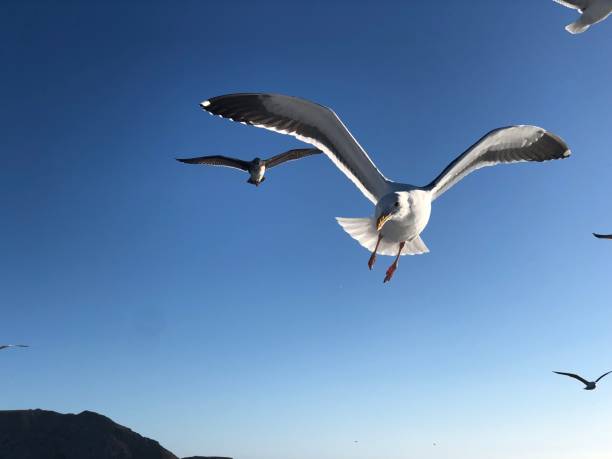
577, 27
364, 231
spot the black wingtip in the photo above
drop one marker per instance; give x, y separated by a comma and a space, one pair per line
566, 153
187, 160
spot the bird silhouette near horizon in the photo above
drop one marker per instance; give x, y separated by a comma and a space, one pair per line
590, 385
401, 210
256, 168
8, 346
592, 12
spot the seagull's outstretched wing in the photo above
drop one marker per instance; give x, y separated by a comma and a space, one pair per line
579, 5
217, 160
505, 145
291, 155
574, 4
6, 346
311, 123
572, 375
603, 376
602, 236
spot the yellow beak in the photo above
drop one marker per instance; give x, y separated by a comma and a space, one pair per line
384, 218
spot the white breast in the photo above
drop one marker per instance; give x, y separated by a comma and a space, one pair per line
414, 222
259, 173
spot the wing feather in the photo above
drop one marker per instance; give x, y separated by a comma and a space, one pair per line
505, 145
291, 155
603, 376
7, 346
572, 375
309, 122
217, 160
602, 236
574, 4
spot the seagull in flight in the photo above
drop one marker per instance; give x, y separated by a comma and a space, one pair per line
592, 11
256, 168
401, 210
7, 346
602, 236
590, 385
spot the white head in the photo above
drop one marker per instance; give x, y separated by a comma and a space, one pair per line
392, 206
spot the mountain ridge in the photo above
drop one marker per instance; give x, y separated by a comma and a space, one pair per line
44, 434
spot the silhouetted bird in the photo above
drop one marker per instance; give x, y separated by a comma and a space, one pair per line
590, 385
255, 168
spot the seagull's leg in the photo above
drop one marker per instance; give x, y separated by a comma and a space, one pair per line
393, 266
372, 259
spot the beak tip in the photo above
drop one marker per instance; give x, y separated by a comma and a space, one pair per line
380, 222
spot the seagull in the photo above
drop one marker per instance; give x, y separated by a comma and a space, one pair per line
593, 11
590, 385
7, 346
401, 210
602, 236
256, 167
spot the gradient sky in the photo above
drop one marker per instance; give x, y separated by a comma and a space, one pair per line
223, 319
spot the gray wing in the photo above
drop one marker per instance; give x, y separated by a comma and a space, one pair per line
311, 123
572, 375
6, 346
602, 236
505, 145
603, 376
574, 4
217, 160
291, 155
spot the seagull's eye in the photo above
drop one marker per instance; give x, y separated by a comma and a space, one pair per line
397, 204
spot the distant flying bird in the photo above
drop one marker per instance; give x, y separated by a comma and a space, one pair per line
590, 385
402, 211
257, 167
7, 346
593, 11
602, 236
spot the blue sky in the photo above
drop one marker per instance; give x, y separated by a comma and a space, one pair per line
222, 319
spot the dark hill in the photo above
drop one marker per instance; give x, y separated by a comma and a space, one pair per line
39, 434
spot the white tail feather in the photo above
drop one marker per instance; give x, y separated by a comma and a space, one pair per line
364, 231
577, 27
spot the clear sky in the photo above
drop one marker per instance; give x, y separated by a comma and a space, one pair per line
223, 319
